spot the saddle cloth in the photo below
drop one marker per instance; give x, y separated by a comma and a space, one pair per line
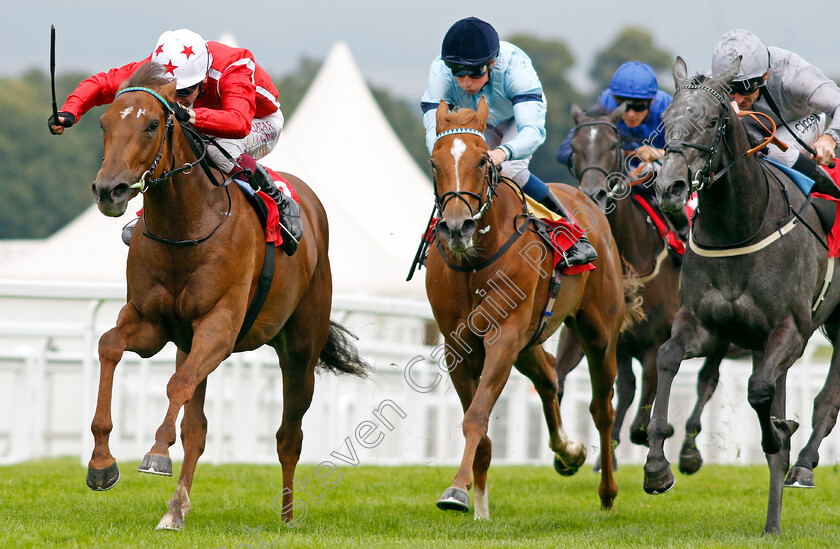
562, 235
271, 221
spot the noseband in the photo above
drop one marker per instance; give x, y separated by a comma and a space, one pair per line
144, 183
704, 176
491, 180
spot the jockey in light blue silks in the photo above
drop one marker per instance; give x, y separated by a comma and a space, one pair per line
474, 63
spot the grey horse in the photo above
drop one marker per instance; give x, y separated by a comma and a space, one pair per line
751, 276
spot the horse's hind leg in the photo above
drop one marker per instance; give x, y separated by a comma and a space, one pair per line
707, 380
779, 461
626, 388
826, 406
569, 355
193, 438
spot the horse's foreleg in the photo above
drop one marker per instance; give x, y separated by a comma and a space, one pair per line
783, 347
212, 343
707, 380
779, 461
193, 438
132, 333
826, 406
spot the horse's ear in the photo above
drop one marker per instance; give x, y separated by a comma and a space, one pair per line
442, 112
617, 113
680, 72
577, 113
730, 73
168, 91
482, 110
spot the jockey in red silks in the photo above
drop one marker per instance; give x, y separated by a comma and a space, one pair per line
222, 92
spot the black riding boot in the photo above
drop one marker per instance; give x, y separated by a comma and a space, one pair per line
581, 251
288, 209
822, 181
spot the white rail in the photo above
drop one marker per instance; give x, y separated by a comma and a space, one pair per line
407, 413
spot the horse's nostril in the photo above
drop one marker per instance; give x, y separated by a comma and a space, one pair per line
443, 229
468, 227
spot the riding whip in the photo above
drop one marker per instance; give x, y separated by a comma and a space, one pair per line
52, 71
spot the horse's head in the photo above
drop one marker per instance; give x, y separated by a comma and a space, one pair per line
696, 125
463, 174
597, 152
135, 128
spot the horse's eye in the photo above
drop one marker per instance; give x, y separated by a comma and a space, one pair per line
712, 123
483, 162
153, 126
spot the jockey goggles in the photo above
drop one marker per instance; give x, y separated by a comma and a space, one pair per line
185, 92
474, 71
746, 87
634, 104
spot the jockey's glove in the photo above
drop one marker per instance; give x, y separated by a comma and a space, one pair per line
64, 119
182, 114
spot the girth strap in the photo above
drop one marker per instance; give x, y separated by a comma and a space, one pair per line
263, 287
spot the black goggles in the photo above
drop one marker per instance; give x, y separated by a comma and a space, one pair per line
459, 71
186, 92
638, 105
745, 87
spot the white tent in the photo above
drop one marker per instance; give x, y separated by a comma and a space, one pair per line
339, 142
377, 199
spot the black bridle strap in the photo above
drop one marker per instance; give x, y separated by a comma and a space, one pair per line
519, 231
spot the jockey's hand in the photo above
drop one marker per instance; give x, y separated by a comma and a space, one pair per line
649, 154
182, 114
824, 147
497, 156
65, 120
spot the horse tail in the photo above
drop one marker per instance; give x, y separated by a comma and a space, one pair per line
340, 355
633, 302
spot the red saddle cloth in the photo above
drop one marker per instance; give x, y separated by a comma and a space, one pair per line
670, 237
563, 236
272, 225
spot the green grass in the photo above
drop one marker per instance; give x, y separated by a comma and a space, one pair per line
46, 504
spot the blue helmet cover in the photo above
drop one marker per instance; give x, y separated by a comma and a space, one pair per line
634, 79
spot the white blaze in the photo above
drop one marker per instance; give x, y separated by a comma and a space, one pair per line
457, 150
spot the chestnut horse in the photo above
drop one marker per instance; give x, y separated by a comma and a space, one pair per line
488, 291
194, 265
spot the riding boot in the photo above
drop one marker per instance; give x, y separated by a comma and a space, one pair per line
288, 209
822, 181
581, 251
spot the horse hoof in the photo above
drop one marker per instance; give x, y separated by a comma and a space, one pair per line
562, 470
799, 477
454, 499
690, 459
156, 464
170, 523
659, 483
103, 479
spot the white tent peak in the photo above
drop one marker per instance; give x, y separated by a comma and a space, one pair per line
377, 198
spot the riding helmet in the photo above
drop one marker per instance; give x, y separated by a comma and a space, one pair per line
755, 57
184, 55
470, 42
634, 80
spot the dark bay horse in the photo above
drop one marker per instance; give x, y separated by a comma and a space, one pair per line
194, 264
601, 168
488, 283
751, 276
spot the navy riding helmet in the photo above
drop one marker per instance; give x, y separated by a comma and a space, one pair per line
469, 46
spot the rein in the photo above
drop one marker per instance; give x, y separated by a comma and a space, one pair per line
195, 140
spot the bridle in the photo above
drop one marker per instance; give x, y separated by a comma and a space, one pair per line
491, 181
196, 141
611, 191
704, 176
144, 183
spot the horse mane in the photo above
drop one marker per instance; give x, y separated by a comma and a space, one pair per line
148, 75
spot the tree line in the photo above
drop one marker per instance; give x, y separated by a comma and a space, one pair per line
46, 180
